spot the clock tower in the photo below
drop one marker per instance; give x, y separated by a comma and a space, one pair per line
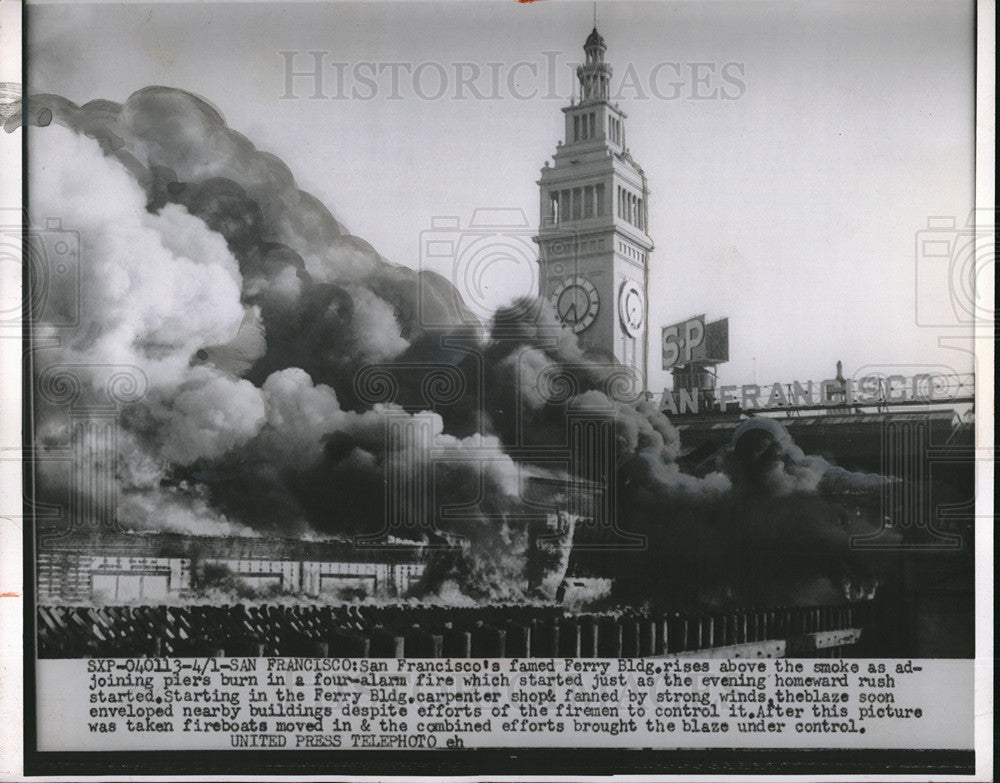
593, 236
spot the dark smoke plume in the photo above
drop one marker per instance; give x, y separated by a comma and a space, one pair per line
275, 346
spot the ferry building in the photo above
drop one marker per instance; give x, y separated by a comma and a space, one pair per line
593, 237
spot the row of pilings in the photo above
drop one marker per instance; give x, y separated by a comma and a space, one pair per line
363, 631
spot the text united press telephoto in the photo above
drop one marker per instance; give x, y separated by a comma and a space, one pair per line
501, 388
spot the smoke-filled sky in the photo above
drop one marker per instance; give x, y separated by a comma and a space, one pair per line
793, 209
245, 328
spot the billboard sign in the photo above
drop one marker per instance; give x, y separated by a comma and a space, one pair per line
695, 342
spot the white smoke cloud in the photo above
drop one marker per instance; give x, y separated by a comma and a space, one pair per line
177, 511
153, 289
377, 335
207, 415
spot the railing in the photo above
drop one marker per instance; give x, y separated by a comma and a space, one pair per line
362, 631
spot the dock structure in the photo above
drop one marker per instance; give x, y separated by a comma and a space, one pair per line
407, 631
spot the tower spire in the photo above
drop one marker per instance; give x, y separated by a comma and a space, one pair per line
595, 74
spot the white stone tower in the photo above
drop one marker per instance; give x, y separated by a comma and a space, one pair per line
593, 235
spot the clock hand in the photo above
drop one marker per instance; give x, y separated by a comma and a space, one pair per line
572, 309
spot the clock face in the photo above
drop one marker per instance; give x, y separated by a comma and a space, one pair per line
576, 303
631, 307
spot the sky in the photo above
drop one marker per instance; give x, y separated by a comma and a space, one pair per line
794, 151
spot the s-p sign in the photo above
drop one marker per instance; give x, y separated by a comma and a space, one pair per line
681, 339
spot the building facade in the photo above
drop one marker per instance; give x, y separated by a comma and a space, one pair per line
152, 568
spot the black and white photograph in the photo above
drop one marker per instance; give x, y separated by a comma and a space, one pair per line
508, 388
